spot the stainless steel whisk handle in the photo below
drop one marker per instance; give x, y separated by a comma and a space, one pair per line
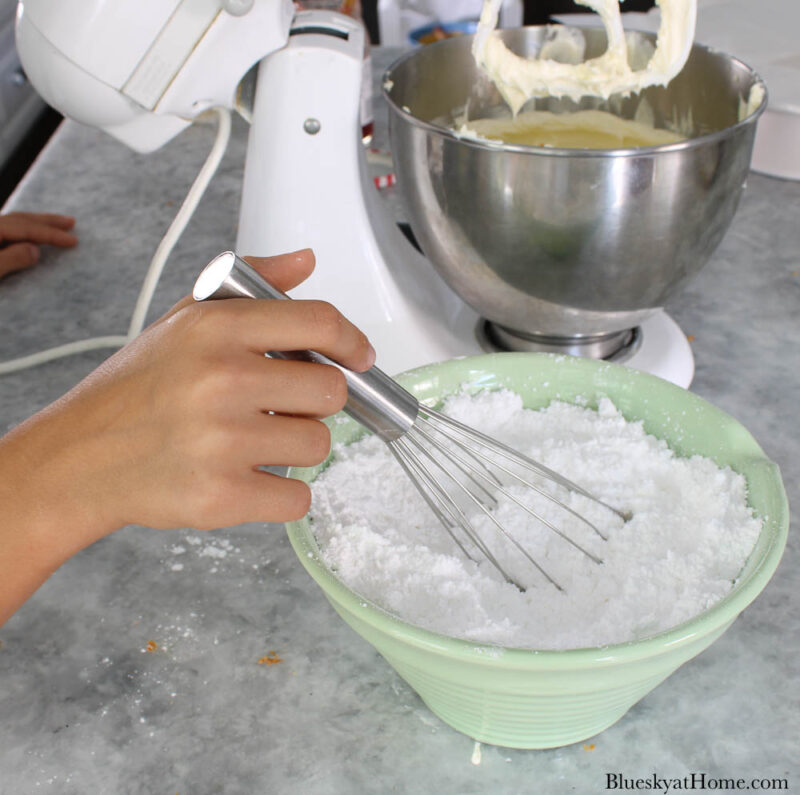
374, 399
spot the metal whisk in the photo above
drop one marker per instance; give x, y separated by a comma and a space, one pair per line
454, 467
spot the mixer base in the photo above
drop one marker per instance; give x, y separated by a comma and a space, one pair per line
596, 346
658, 346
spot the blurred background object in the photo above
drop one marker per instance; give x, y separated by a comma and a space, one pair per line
26, 122
398, 23
403, 22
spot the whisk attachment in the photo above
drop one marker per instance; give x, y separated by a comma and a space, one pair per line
461, 473
472, 466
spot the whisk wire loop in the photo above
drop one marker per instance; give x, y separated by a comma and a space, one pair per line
422, 480
450, 514
444, 423
534, 514
457, 462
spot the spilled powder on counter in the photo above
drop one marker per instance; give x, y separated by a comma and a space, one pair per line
216, 549
689, 537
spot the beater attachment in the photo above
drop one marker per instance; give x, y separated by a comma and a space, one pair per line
462, 474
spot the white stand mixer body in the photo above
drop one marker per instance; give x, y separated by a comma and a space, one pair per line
306, 185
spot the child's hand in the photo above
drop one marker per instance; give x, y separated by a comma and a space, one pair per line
22, 233
171, 430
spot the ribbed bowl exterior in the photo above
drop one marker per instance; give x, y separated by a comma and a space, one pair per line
543, 708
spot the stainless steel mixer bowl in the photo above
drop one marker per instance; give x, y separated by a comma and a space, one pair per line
567, 243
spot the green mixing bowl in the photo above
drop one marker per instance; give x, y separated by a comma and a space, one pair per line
522, 698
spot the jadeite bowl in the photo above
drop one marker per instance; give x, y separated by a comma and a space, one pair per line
523, 698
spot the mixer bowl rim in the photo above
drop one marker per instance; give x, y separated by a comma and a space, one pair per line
714, 619
555, 151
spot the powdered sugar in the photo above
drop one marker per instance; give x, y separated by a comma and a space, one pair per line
689, 537
216, 549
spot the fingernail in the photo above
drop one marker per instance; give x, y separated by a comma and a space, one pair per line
33, 251
371, 356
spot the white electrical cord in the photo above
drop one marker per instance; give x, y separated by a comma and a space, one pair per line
156, 267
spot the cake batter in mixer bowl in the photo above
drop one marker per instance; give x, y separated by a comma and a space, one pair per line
569, 249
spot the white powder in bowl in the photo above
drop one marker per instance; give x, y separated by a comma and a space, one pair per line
689, 537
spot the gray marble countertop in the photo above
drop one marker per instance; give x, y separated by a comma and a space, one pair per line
135, 669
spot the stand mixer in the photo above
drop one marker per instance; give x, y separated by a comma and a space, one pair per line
306, 182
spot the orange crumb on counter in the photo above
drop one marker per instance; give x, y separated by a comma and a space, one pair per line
151, 645
690, 337
270, 658
588, 747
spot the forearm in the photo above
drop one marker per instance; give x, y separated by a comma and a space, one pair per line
24, 562
45, 511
